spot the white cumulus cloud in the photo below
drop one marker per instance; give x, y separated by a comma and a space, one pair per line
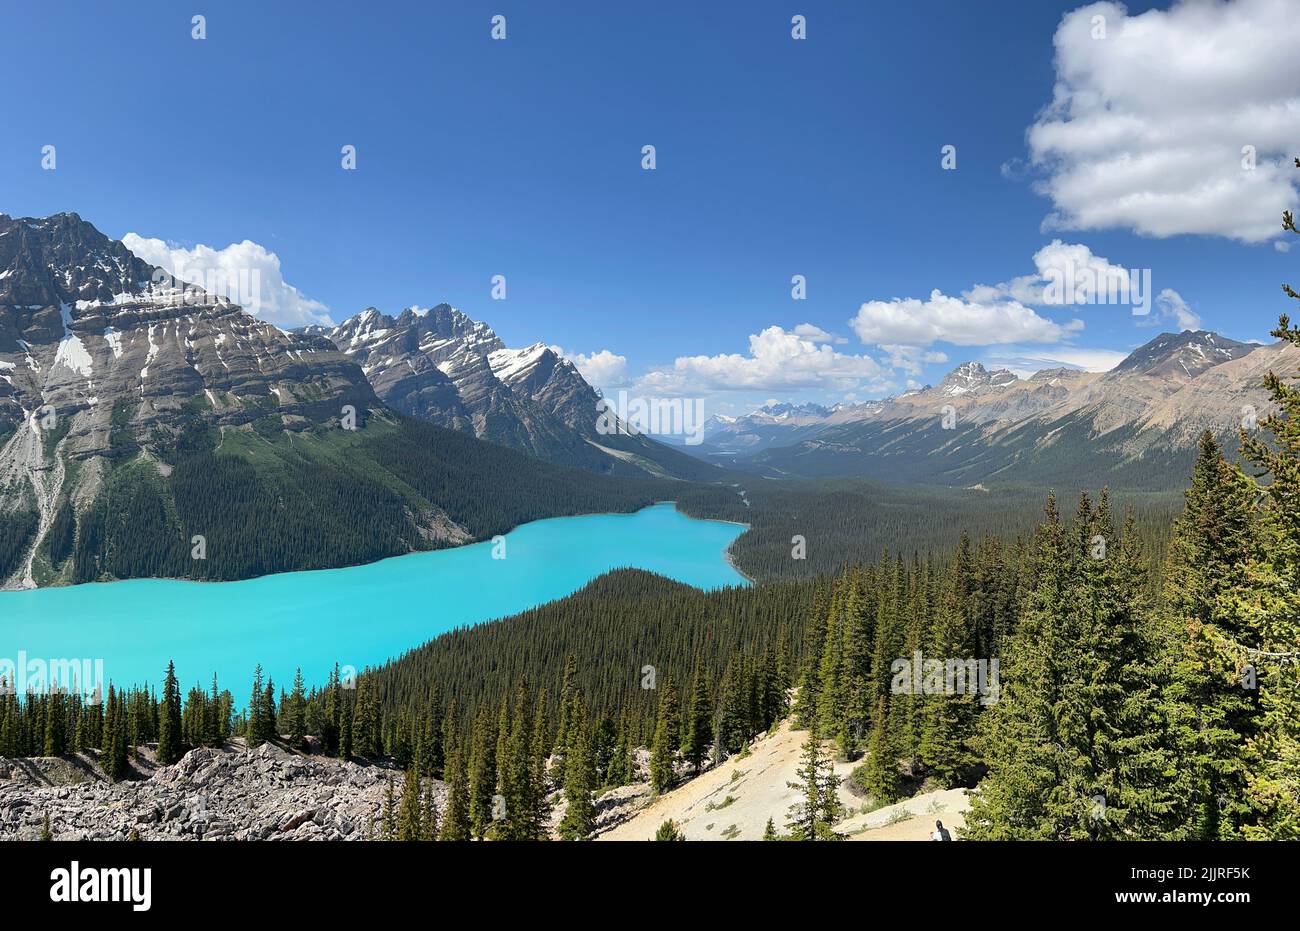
245, 272
1171, 306
1148, 122
1068, 273
603, 369
777, 359
941, 318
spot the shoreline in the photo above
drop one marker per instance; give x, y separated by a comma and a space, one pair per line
7, 590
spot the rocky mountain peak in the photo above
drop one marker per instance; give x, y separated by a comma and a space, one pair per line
127, 355
972, 376
62, 259
1183, 355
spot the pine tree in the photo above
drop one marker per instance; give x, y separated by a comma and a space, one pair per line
568, 692
255, 726
55, 742
169, 720
580, 813
456, 817
698, 732
813, 816
668, 831
620, 765
516, 773
769, 832
429, 820
409, 815
832, 698
539, 772
296, 713
270, 724
389, 816
1074, 745
733, 711
882, 777
1212, 717
482, 773
948, 714
808, 695
664, 744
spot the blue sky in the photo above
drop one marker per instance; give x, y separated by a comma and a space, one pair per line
775, 157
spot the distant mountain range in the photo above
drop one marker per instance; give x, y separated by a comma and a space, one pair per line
1133, 426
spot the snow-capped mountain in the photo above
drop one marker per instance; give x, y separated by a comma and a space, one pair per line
442, 366
775, 423
119, 350
971, 376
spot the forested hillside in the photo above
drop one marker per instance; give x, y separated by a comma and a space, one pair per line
274, 501
850, 521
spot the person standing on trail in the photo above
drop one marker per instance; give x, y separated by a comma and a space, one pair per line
940, 832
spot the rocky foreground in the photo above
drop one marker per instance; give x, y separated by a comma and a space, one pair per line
228, 794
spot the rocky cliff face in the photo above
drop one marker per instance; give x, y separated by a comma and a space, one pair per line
116, 349
441, 366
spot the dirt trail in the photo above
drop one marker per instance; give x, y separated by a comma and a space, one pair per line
757, 788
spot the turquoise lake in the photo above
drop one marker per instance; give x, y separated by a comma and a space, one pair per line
357, 616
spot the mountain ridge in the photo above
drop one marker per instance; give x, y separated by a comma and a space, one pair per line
1131, 424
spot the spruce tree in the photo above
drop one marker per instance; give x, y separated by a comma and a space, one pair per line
664, 745
882, 777
429, 820
255, 726
482, 772
1075, 744
389, 815
296, 713
813, 816
580, 813
55, 738
948, 714
410, 814
697, 733
456, 817
668, 831
169, 720
1211, 716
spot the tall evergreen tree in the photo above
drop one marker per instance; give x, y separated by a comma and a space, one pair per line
482, 772
456, 817
580, 778
169, 720
410, 814
812, 818
663, 748
296, 713
1211, 716
697, 733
